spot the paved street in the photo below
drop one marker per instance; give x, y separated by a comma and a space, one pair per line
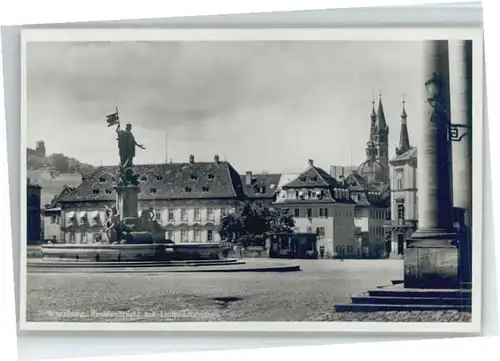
309, 295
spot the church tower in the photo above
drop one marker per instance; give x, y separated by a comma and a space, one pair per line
404, 139
376, 167
381, 137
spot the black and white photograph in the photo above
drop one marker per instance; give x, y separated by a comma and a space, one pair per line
224, 179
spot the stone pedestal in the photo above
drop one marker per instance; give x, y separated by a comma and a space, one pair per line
431, 257
127, 199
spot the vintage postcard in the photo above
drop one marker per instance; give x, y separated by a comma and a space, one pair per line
260, 180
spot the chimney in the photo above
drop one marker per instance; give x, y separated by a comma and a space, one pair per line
216, 159
311, 162
248, 178
191, 159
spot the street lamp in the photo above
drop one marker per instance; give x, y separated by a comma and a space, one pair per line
435, 89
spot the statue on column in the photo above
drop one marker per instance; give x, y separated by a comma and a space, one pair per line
126, 149
126, 146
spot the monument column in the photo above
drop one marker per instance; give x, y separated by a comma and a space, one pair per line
127, 200
461, 118
431, 259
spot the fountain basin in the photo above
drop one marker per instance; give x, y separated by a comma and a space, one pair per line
98, 252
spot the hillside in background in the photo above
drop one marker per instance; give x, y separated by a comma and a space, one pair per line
54, 172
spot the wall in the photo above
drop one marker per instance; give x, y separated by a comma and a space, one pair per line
33, 221
407, 195
52, 226
344, 241
179, 230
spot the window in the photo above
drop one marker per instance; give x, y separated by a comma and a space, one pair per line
210, 214
194, 177
102, 180
170, 235
144, 178
184, 235
296, 212
184, 215
211, 176
323, 212
223, 212
95, 191
159, 178
357, 214
314, 178
205, 189
210, 235
309, 212
53, 219
401, 212
309, 229
302, 179
171, 215
197, 235
196, 214
399, 179
187, 189
320, 231
152, 190
157, 215
108, 191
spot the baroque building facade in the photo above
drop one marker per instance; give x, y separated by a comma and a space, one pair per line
371, 211
404, 197
187, 199
322, 205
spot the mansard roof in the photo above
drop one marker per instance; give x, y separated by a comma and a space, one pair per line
366, 194
193, 180
323, 188
313, 177
355, 182
262, 185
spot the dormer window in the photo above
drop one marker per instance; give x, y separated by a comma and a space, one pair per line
71, 218
302, 179
159, 178
211, 176
108, 191
194, 177
102, 180
144, 178
205, 189
187, 189
95, 191
82, 218
314, 178
152, 190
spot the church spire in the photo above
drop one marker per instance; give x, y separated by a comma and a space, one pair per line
404, 139
381, 124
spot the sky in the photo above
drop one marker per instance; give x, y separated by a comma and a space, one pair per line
262, 105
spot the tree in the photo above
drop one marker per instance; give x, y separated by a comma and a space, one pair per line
253, 219
231, 228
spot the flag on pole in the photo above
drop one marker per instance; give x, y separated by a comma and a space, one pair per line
113, 119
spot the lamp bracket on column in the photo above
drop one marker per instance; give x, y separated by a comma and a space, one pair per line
456, 132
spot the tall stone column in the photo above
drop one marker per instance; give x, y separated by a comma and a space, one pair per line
431, 259
461, 116
127, 199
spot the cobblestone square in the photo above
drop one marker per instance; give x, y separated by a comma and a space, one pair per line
309, 295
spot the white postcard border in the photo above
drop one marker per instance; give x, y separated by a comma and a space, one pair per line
307, 34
